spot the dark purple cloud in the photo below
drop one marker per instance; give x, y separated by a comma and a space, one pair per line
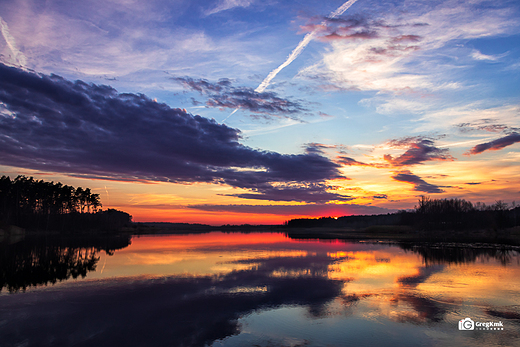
319, 209
390, 50
486, 125
347, 28
495, 145
420, 185
489, 125
419, 150
223, 95
353, 162
380, 196
406, 38
361, 34
360, 27
52, 124
315, 192
317, 148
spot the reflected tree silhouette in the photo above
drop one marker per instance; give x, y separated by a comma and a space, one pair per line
196, 310
37, 262
458, 254
173, 311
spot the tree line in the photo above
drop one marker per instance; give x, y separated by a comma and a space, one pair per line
459, 214
429, 214
42, 205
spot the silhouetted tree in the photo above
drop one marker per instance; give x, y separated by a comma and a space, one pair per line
37, 204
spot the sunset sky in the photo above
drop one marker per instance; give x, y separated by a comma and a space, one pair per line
249, 111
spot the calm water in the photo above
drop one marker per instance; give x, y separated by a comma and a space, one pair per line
257, 289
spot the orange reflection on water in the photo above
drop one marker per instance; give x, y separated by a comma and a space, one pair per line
372, 270
213, 239
334, 281
404, 287
476, 283
377, 282
194, 254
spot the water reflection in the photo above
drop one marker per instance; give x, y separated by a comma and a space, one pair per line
35, 262
461, 254
265, 289
172, 311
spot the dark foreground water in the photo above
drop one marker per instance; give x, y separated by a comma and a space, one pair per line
256, 289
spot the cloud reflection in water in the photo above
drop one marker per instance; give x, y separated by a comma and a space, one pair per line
331, 283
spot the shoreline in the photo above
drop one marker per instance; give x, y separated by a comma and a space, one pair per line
384, 233
510, 236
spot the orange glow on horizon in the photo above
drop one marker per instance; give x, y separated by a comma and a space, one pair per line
206, 203
217, 218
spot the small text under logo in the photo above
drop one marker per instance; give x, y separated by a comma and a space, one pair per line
469, 324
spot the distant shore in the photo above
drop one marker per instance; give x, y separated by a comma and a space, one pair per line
397, 233
389, 233
510, 236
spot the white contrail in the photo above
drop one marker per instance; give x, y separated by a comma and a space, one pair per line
301, 46
296, 52
18, 56
232, 113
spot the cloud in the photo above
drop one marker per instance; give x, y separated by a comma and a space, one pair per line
395, 105
486, 124
477, 55
15, 56
365, 55
353, 162
471, 117
419, 150
310, 193
419, 184
319, 209
380, 196
224, 5
396, 53
132, 41
52, 124
300, 47
350, 28
495, 145
223, 95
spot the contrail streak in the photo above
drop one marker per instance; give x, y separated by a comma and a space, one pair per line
232, 113
296, 52
18, 56
301, 46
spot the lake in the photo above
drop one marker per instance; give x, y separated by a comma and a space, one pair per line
256, 289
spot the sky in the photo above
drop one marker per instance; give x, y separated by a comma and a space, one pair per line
249, 111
